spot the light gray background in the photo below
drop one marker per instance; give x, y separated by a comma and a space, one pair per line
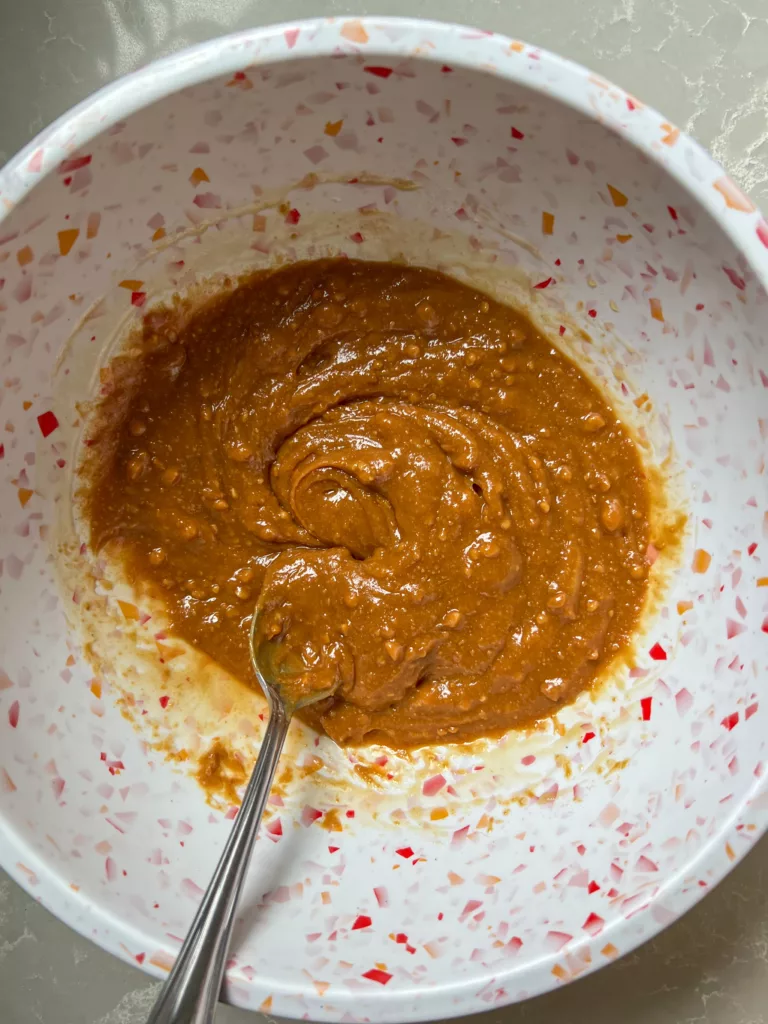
704, 63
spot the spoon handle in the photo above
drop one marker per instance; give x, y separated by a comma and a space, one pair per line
191, 990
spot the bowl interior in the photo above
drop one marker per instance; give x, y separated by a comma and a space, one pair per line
556, 851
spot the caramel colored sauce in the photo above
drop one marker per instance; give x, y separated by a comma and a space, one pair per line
434, 507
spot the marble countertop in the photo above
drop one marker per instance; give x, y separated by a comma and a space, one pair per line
704, 63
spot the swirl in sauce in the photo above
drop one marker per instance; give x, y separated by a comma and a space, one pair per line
431, 503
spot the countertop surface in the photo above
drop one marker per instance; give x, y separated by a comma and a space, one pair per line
704, 63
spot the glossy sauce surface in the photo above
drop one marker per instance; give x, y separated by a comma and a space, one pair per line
435, 508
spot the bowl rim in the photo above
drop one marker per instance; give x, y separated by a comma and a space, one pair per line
220, 55
223, 55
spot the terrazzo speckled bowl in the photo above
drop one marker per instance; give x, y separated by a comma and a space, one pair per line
468, 879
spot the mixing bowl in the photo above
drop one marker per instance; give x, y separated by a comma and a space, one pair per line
385, 887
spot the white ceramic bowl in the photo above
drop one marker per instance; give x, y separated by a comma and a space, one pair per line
465, 883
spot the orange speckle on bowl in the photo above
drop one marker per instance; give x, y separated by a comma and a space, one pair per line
131, 285
130, 611
167, 652
333, 128
160, 233
623, 238
266, 1006
656, 311
560, 972
516, 47
438, 813
762, 581
547, 223
24, 495
671, 134
67, 239
31, 876
701, 560
25, 256
729, 852
96, 688
684, 606
619, 199
197, 176
162, 960
354, 32
733, 196
609, 950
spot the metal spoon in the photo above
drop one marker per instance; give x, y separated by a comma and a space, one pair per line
191, 991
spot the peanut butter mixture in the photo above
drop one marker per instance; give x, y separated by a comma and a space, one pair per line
435, 509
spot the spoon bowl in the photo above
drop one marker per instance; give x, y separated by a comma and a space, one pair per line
282, 681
